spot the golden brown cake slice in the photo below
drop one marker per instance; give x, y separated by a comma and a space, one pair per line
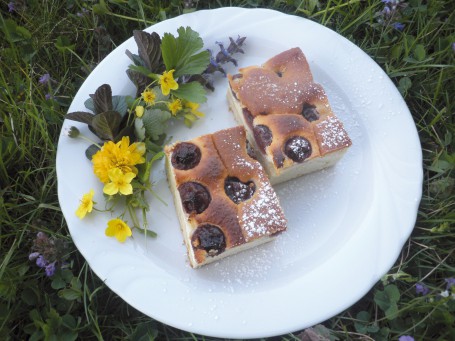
287, 116
223, 198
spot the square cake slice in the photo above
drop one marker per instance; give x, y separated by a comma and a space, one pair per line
223, 198
287, 116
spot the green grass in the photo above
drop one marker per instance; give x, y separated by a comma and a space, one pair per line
49, 37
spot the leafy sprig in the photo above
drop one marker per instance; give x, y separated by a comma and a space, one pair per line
171, 75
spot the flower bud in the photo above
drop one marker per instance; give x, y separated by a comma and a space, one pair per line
72, 132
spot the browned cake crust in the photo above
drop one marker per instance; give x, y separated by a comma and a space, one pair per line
288, 117
224, 199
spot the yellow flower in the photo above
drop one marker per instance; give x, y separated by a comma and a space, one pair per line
193, 107
149, 96
86, 204
168, 82
119, 182
119, 229
139, 111
119, 155
175, 106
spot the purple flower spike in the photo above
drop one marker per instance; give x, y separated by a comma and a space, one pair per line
398, 26
406, 338
41, 261
11, 7
50, 269
44, 79
33, 256
450, 282
422, 289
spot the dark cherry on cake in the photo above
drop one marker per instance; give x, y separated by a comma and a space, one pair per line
223, 198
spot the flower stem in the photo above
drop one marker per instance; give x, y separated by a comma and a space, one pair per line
89, 140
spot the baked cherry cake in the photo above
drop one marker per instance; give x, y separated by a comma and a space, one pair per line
223, 198
287, 116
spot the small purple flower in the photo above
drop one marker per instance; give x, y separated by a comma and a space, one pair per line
41, 261
386, 12
222, 49
41, 235
422, 289
50, 269
453, 47
33, 256
44, 79
48, 97
406, 338
11, 7
398, 26
450, 282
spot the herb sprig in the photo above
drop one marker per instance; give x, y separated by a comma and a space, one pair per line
172, 75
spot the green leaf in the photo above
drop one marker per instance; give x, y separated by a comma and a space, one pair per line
80, 116
13, 32
177, 51
404, 85
149, 49
419, 52
89, 104
119, 104
139, 129
195, 64
392, 292
391, 312
90, 151
102, 99
157, 146
363, 318
106, 124
58, 283
142, 70
63, 44
70, 294
154, 121
191, 92
100, 8
396, 51
69, 321
134, 58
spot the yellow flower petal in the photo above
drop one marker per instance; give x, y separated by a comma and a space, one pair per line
110, 189
167, 82
149, 96
128, 177
125, 189
119, 155
193, 107
119, 229
175, 106
119, 182
86, 204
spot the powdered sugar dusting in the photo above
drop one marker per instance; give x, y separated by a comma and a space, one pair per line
262, 215
332, 134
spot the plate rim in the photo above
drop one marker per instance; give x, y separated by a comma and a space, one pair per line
282, 329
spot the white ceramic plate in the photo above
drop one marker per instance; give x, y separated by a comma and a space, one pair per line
347, 224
